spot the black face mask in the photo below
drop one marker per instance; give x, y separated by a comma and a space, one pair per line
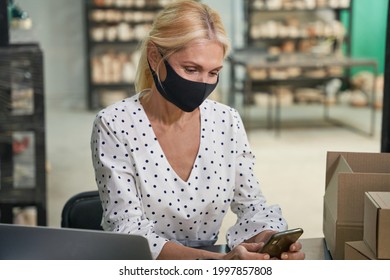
185, 94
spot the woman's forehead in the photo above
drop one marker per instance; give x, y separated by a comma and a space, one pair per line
202, 50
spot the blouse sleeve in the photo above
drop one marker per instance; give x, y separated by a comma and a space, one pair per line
249, 204
115, 178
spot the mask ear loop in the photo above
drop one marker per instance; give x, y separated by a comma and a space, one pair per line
155, 73
159, 63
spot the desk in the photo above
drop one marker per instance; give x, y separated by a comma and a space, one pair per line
251, 60
314, 248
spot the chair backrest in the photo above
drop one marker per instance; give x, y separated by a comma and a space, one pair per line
83, 210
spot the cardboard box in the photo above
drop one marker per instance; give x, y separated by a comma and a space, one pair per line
348, 176
358, 250
377, 223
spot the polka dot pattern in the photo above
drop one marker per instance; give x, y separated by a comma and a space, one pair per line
142, 194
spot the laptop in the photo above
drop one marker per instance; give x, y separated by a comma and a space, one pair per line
19, 242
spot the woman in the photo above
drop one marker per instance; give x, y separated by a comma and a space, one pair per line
169, 163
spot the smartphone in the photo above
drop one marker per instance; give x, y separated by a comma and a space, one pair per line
280, 242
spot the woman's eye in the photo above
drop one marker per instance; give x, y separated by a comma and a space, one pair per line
190, 70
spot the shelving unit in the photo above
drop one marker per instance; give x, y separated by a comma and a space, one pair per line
285, 26
294, 30
114, 30
22, 132
296, 51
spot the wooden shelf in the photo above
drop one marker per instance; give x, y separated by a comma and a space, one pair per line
23, 65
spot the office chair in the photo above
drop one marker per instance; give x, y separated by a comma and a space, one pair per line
83, 210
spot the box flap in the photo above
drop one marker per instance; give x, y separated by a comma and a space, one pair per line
351, 191
332, 190
382, 199
358, 162
332, 159
383, 232
370, 221
368, 162
361, 248
382, 241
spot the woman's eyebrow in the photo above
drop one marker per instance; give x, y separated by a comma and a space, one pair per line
194, 64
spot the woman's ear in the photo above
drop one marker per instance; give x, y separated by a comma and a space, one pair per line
153, 56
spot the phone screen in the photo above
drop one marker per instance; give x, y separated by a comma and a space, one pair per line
280, 242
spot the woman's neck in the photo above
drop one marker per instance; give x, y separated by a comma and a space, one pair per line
158, 109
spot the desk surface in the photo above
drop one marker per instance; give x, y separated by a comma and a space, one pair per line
315, 249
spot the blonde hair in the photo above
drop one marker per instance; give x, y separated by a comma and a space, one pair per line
176, 26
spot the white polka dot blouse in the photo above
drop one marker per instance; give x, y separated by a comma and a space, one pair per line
141, 193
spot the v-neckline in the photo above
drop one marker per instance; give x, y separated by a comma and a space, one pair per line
150, 127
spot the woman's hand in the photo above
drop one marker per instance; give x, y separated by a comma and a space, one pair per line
294, 252
249, 249
246, 251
